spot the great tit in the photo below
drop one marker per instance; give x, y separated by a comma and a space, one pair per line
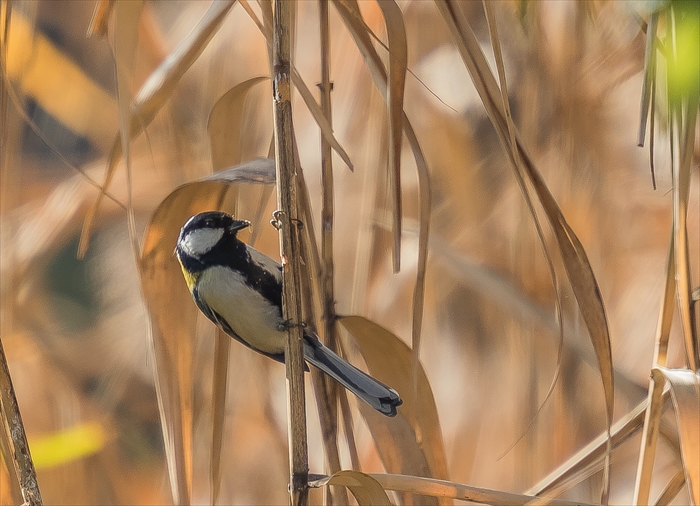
240, 290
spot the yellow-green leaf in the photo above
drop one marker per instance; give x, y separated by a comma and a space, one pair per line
67, 445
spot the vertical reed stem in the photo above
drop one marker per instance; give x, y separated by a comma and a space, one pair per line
289, 251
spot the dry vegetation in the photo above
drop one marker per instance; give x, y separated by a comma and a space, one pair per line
519, 270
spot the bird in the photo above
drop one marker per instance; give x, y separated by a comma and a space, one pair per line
239, 289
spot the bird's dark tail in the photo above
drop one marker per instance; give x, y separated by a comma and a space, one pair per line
381, 397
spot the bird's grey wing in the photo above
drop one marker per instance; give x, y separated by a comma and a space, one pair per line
220, 322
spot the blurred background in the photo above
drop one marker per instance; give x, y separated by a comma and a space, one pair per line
75, 331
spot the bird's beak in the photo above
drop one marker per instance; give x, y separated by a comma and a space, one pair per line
239, 225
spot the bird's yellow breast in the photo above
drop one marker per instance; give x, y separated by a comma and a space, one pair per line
190, 278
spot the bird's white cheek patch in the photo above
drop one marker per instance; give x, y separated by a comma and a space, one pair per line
198, 242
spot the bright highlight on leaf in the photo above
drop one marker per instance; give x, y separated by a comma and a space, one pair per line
67, 445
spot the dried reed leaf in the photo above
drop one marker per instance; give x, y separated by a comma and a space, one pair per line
590, 457
398, 58
685, 391
58, 84
495, 42
319, 118
410, 443
349, 11
450, 490
652, 420
683, 139
222, 350
161, 83
672, 489
578, 268
126, 37
153, 94
323, 123
126, 30
166, 295
225, 122
365, 488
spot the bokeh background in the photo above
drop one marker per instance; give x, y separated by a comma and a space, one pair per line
75, 331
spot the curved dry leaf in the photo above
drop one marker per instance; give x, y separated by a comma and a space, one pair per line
578, 268
450, 490
222, 350
349, 12
410, 443
126, 37
398, 58
391, 86
672, 489
365, 488
153, 94
224, 124
166, 295
126, 27
682, 157
652, 420
320, 118
685, 391
589, 459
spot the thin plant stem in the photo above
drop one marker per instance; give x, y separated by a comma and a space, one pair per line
288, 223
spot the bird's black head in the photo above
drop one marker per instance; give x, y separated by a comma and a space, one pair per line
205, 231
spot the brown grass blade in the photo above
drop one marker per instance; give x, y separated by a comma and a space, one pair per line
495, 42
349, 12
450, 490
364, 487
411, 442
224, 124
398, 60
683, 123
126, 30
153, 94
222, 350
672, 489
652, 419
578, 268
166, 295
319, 118
685, 391
323, 124
593, 453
